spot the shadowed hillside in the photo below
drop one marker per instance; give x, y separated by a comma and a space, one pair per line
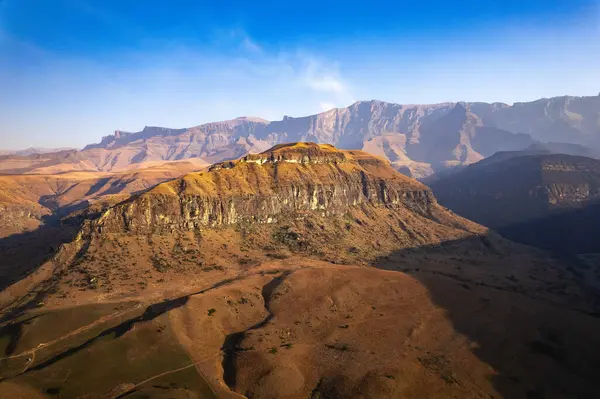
546, 200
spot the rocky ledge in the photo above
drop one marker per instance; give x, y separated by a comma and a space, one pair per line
300, 153
285, 181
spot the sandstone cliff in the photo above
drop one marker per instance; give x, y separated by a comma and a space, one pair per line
260, 188
303, 199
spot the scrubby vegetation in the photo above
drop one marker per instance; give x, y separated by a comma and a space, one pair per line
287, 236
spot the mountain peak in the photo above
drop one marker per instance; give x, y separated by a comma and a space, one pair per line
417, 131
461, 106
251, 119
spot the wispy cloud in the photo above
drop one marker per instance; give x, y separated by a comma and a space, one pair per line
237, 39
251, 46
80, 100
324, 77
320, 78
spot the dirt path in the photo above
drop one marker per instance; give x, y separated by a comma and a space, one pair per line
133, 388
101, 320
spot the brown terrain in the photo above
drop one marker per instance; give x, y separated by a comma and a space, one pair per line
32, 206
27, 198
301, 271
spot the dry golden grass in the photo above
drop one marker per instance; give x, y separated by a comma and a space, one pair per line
246, 178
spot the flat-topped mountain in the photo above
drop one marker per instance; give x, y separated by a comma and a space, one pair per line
300, 198
286, 180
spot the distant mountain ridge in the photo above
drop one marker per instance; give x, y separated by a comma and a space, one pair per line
35, 150
417, 139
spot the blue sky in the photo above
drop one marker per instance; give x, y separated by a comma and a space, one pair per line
72, 71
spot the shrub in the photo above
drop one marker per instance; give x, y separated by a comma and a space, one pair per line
247, 261
160, 264
338, 346
286, 236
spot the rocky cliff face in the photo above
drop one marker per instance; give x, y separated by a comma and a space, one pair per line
533, 183
302, 199
564, 119
513, 192
418, 139
262, 188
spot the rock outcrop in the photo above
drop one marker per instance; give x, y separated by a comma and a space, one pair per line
285, 180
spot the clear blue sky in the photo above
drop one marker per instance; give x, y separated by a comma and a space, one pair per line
72, 71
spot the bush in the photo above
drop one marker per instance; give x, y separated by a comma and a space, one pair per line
286, 236
160, 264
338, 346
246, 261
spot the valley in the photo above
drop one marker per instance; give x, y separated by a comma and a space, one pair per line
300, 271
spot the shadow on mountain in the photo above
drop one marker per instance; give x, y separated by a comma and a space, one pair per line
531, 320
22, 254
567, 232
97, 186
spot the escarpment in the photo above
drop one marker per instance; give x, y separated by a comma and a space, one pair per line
261, 188
539, 199
510, 188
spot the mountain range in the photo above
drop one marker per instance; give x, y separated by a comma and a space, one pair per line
34, 150
418, 140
